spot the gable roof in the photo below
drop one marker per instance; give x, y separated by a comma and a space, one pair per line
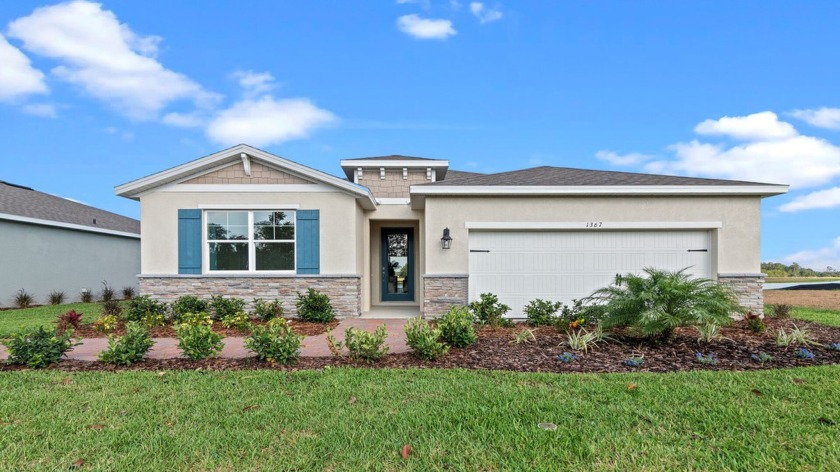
547, 175
452, 175
137, 187
546, 180
23, 204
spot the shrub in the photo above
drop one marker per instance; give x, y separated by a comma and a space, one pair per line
423, 339
566, 357
238, 320
56, 297
314, 306
23, 299
706, 359
275, 343
656, 304
708, 332
364, 345
198, 342
86, 296
457, 327
795, 337
267, 311
542, 312
782, 310
572, 316
112, 307
107, 292
634, 361
128, 292
38, 347
68, 319
524, 336
803, 353
581, 340
105, 324
762, 357
150, 320
224, 307
188, 304
833, 347
141, 306
130, 348
489, 311
196, 319
756, 325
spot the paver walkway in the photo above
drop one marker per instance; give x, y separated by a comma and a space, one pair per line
311, 346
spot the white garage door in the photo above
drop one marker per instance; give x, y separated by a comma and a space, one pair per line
520, 266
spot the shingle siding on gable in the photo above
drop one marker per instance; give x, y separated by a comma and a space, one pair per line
393, 185
235, 174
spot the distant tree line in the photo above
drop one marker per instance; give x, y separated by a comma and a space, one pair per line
777, 269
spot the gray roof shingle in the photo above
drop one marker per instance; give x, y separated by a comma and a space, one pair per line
18, 200
565, 176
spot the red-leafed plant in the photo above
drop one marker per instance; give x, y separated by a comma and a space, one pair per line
66, 320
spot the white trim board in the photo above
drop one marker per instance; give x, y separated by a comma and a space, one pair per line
246, 188
394, 163
590, 225
762, 190
248, 206
60, 224
393, 201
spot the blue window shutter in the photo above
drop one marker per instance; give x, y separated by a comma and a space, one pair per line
189, 241
308, 242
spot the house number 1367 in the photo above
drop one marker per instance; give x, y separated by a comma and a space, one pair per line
594, 224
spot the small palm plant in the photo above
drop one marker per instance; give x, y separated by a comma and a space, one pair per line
658, 301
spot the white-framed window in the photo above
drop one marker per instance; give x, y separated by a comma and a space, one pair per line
250, 240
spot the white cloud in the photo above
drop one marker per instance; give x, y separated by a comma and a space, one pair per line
801, 161
106, 58
622, 159
122, 134
822, 118
44, 110
425, 4
266, 121
821, 199
17, 76
425, 28
254, 83
484, 14
817, 259
764, 126
184, 120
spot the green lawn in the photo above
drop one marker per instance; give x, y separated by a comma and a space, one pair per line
14, 320
453, 419
826, 317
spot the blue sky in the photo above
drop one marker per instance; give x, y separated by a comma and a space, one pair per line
94, 95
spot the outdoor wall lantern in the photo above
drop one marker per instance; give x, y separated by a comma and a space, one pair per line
446, 240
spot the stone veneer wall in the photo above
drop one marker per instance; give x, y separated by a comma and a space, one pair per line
442, 291
749, 288
344, 290
393, 185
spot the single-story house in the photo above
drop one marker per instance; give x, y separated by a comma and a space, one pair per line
55, 244
406, 233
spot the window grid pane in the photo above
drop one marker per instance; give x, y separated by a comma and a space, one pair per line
269, 244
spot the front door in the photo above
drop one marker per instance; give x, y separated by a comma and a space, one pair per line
397, 265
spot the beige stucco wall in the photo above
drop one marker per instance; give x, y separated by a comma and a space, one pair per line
736, 244
159, 232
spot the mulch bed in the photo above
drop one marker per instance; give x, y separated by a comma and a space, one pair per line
302, 328
495, 350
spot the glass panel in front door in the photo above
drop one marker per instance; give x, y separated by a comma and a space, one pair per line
397, 263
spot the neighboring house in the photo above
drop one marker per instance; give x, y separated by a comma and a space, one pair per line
246, 223
54, 244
